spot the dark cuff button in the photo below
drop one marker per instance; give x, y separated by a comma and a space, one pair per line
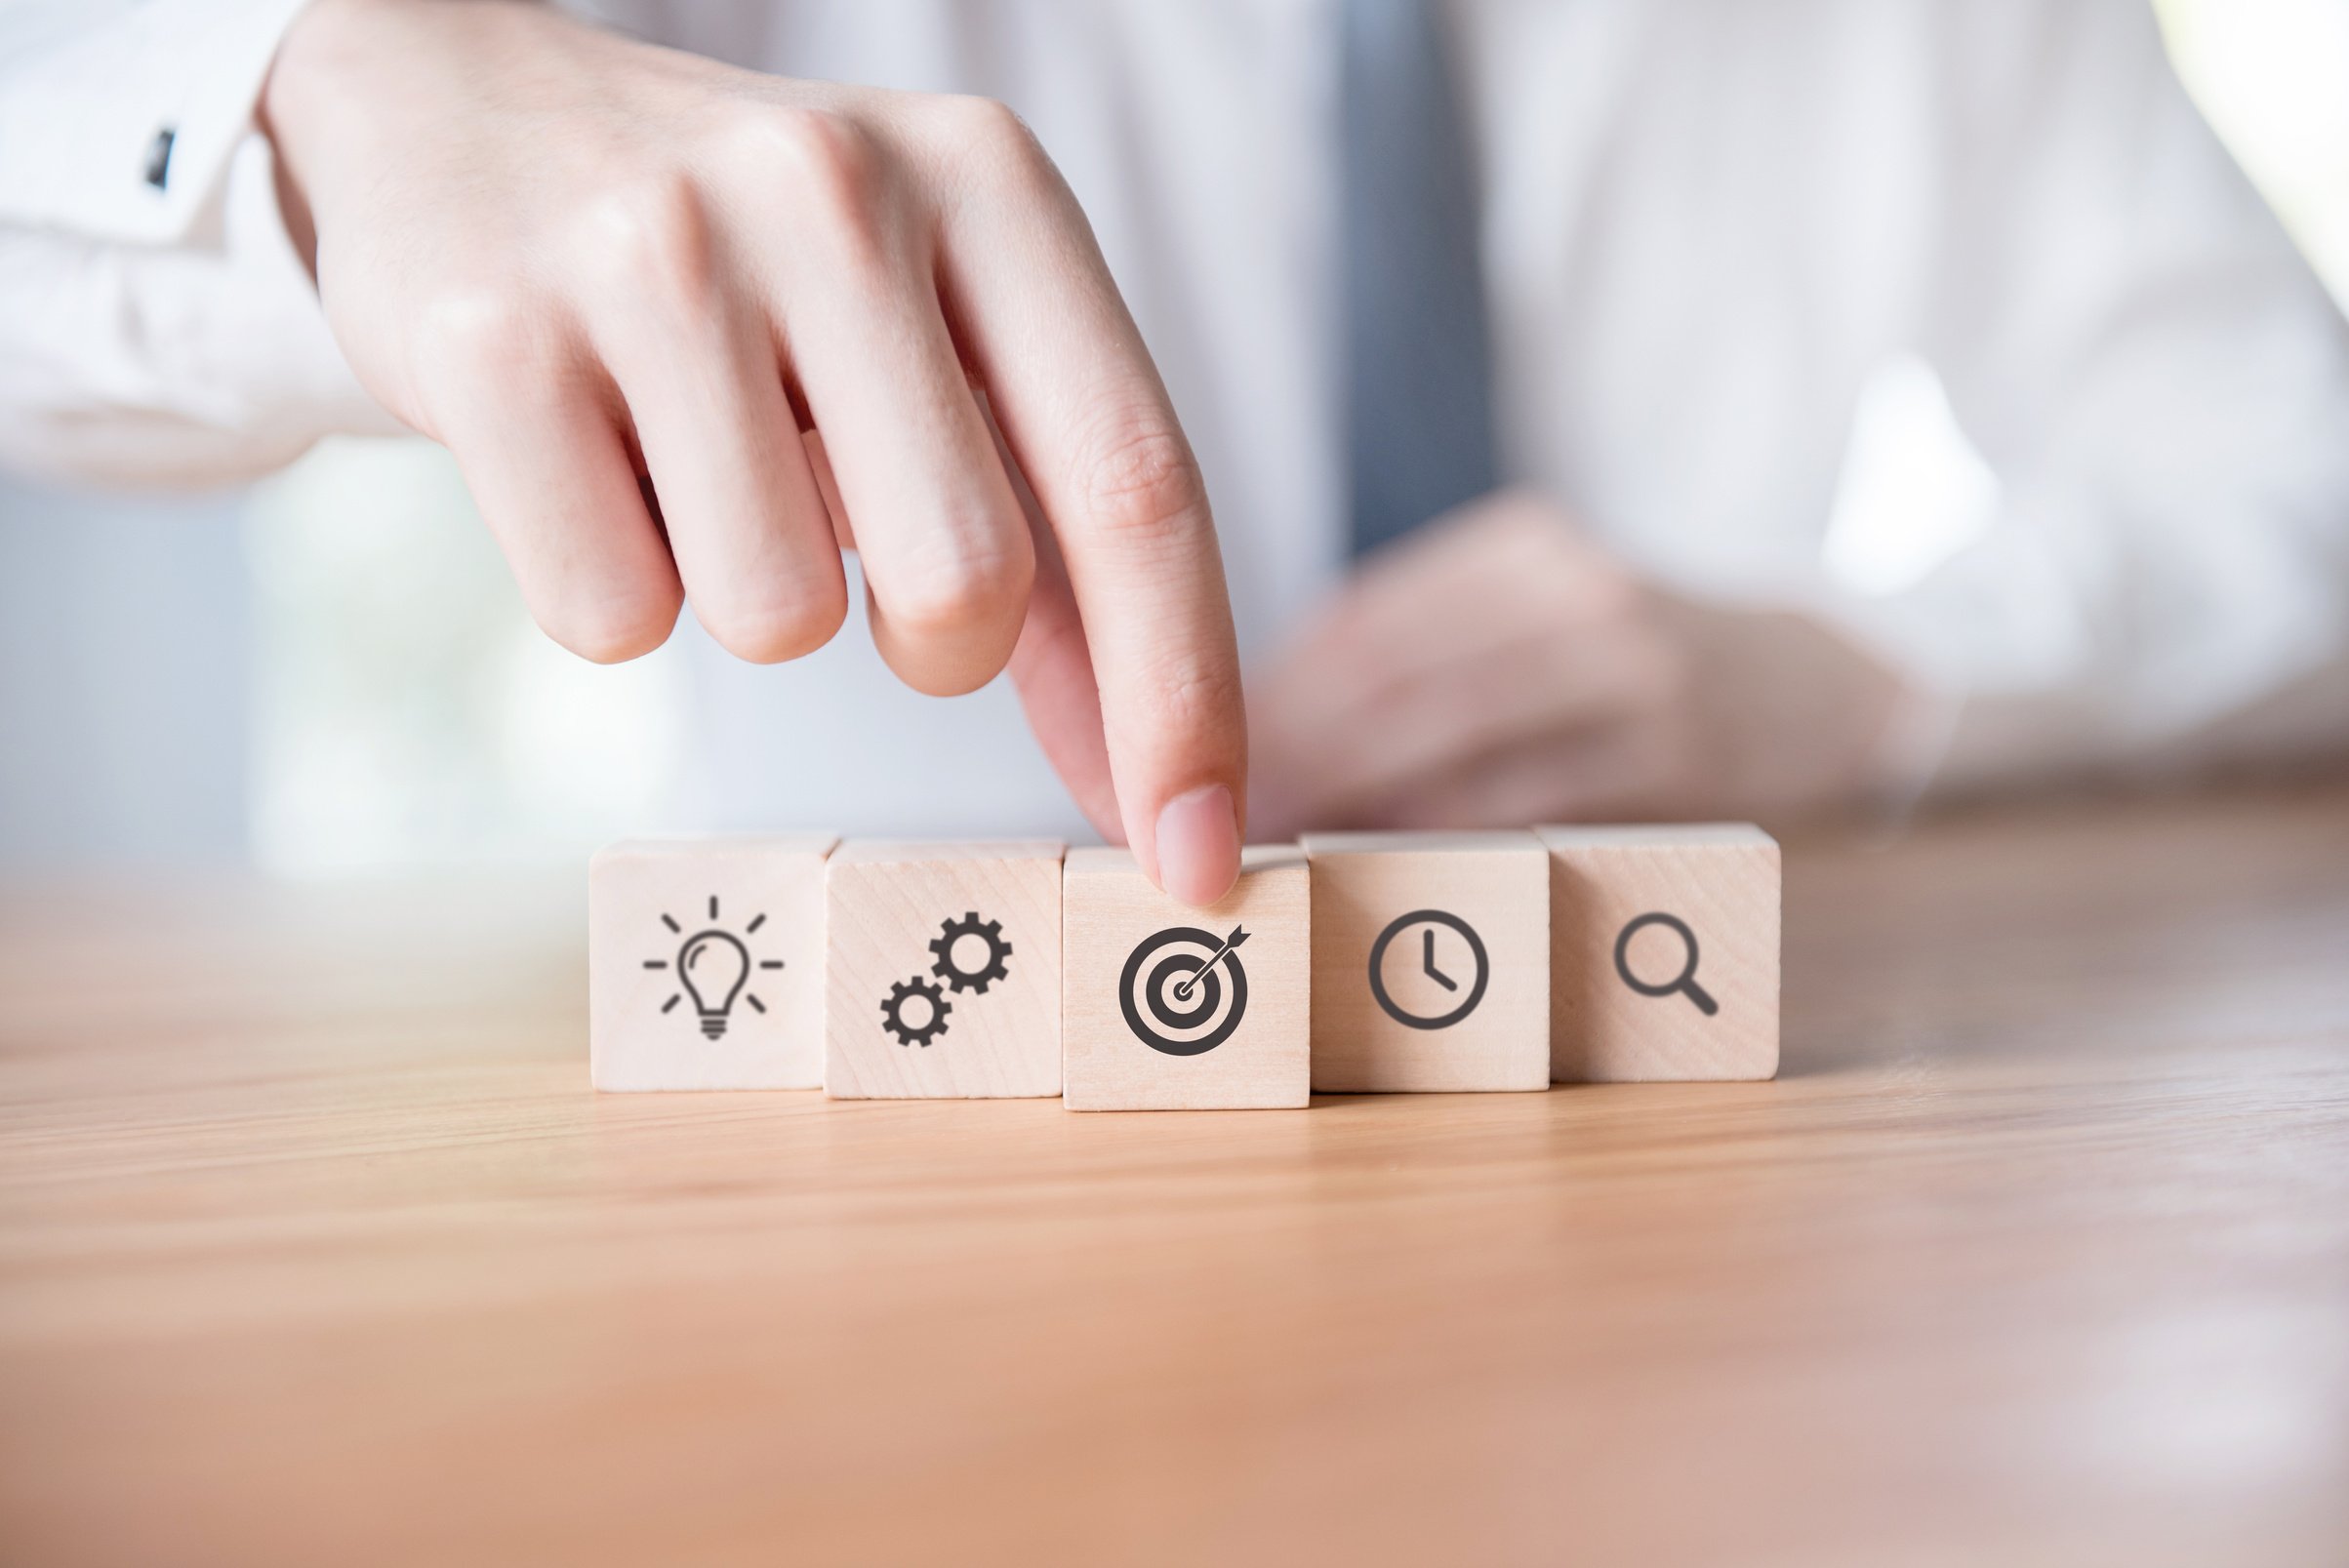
159, 157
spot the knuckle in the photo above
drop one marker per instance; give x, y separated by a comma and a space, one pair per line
467, 330
614, 628
957, 587
989, 133
973, 121
1664, 679
771, 629
1194, 700
1142, 484
655, 236
1612, 599
835, 169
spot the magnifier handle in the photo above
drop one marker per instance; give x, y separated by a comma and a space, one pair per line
1702, 997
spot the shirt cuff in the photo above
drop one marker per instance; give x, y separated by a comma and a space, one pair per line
124, 130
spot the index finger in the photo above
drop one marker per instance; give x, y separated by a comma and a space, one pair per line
1082, 409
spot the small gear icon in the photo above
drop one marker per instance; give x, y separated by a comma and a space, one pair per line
893, 1015
977, 979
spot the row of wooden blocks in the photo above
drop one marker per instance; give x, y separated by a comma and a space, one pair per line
1350, 962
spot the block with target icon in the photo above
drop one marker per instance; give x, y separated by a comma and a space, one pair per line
1431, 961
942, 970
1165, 1007
705, 962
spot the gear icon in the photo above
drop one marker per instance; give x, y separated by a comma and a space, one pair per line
893, 1015
977, 979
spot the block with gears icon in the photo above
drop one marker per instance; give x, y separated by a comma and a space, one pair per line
1663, 952
705, 963
942, 970
1431, 961
1165, 1007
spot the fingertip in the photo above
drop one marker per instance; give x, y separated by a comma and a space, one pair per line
1198, 845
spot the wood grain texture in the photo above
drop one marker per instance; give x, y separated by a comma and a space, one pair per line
1108, 911
648, 898
1497, 884
1720, 881
887, 902
316, 1248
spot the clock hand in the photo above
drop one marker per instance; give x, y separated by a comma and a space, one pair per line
1427, 961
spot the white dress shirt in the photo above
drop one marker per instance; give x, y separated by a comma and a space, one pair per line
1710, 227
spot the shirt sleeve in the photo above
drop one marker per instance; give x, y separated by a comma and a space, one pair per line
161, 327
2161, 385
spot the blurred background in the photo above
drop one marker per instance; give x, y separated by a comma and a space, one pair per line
332, 674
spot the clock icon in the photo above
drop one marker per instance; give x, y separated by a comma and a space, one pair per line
1449, 956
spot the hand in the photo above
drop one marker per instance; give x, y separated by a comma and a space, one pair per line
1496, 668
619, 282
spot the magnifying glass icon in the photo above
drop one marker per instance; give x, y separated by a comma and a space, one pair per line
1683, 982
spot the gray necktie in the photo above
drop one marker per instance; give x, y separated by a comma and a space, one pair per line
1419, 370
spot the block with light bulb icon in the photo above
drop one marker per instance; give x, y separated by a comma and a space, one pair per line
1431, 961
705, 963
942, 970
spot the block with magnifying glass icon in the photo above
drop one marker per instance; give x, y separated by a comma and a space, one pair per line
1663, 952
1431, 961
705, 963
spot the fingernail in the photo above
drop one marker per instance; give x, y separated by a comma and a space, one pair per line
1198, 845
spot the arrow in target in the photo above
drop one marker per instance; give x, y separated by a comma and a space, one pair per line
1189, 981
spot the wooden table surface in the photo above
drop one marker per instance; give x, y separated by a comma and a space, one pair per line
317, 1249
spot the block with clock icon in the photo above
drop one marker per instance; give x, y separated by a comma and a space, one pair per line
1431, 961
1664, 953
1165, 1007
705, 963
943, 970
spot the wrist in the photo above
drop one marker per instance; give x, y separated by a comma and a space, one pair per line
316, 67
345, 76
313, 69
341, 58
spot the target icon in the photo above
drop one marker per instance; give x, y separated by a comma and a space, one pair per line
1174, 994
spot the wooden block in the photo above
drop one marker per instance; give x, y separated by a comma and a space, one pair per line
705, 963
1431, 961
943, 970
1139, 1032
1663, 952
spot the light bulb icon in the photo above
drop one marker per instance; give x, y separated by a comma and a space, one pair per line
712, 966
711, 969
